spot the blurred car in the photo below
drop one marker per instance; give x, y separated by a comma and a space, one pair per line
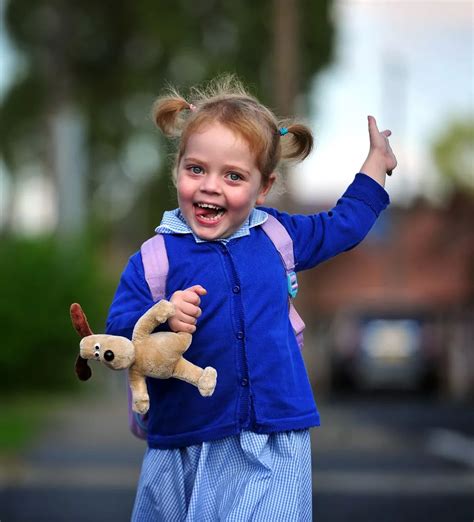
385, 348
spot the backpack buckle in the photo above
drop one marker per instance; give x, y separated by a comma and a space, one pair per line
292, 284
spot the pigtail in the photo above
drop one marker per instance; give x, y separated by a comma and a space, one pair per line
169, 113
296, 141
226, 101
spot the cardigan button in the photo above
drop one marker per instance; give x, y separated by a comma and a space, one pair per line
236, 289
240, 335
244, 382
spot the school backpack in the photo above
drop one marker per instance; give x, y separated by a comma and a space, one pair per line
156, 266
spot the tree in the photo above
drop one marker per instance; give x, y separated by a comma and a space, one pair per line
108, 60
454, 155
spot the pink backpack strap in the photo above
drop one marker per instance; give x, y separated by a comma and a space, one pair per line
156, 265
279, 236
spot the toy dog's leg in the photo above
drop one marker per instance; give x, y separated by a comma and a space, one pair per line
140, 398
205, 380
156, 315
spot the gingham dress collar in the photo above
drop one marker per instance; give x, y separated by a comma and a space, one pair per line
173, 222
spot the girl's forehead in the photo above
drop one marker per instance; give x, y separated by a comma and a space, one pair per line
211, 127
215, 135
221, 147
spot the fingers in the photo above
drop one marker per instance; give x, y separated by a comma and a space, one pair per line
374, 134
181, 326
372, 125
191, 294
373, 129
185, 317
190, 309
184, 322
197, 289
187, 312
186, 303
381, 159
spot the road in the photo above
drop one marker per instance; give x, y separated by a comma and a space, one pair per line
377, 459
394, 458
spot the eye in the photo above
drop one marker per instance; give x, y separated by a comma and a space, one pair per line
234, 176
195, 169
97, 346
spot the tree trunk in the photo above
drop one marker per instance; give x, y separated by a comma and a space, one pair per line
286, 70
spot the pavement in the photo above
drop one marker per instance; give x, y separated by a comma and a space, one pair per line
83, 466
371, 462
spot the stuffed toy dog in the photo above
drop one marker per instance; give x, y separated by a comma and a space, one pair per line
148, 354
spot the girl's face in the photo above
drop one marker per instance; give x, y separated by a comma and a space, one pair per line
218, 182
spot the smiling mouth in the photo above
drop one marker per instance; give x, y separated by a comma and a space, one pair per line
208, 212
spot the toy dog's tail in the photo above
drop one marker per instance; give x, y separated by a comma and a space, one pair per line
79, 321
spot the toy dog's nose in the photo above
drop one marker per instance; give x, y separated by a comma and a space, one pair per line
109, 355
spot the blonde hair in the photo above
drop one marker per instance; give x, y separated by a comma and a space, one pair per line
226, 101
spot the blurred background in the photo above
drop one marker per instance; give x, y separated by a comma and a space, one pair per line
84, 179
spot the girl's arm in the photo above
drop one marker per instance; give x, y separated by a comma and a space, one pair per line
132, 299
319, 237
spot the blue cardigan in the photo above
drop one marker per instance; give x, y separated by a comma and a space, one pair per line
244, 330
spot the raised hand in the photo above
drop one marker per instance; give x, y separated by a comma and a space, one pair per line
381, 160
186, 303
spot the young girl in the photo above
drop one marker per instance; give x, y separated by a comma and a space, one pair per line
244, 453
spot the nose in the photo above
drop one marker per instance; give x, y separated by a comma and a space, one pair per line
210, 184
109, 356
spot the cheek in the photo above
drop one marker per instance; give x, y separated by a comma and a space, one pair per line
184, 190
241, 201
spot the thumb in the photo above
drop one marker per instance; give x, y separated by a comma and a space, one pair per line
373, 129
198, 289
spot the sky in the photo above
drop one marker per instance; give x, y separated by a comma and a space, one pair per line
410, 64
407, 62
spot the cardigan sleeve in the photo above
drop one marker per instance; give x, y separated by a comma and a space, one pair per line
132, 299
320, 236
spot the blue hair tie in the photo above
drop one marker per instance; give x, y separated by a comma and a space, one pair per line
283, 131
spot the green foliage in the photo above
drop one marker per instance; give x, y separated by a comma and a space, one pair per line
40, 280
111, 59
454, 155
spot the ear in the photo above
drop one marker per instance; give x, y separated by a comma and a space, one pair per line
265, 189
79, 320
83, 371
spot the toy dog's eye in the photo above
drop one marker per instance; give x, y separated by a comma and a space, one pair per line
97, 346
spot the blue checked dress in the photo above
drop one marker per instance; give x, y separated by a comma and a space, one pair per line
246, 477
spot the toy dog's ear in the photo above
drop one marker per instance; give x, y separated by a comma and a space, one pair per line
82, 368
79, 321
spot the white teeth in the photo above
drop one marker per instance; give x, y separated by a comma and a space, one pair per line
208, 205
219, 211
